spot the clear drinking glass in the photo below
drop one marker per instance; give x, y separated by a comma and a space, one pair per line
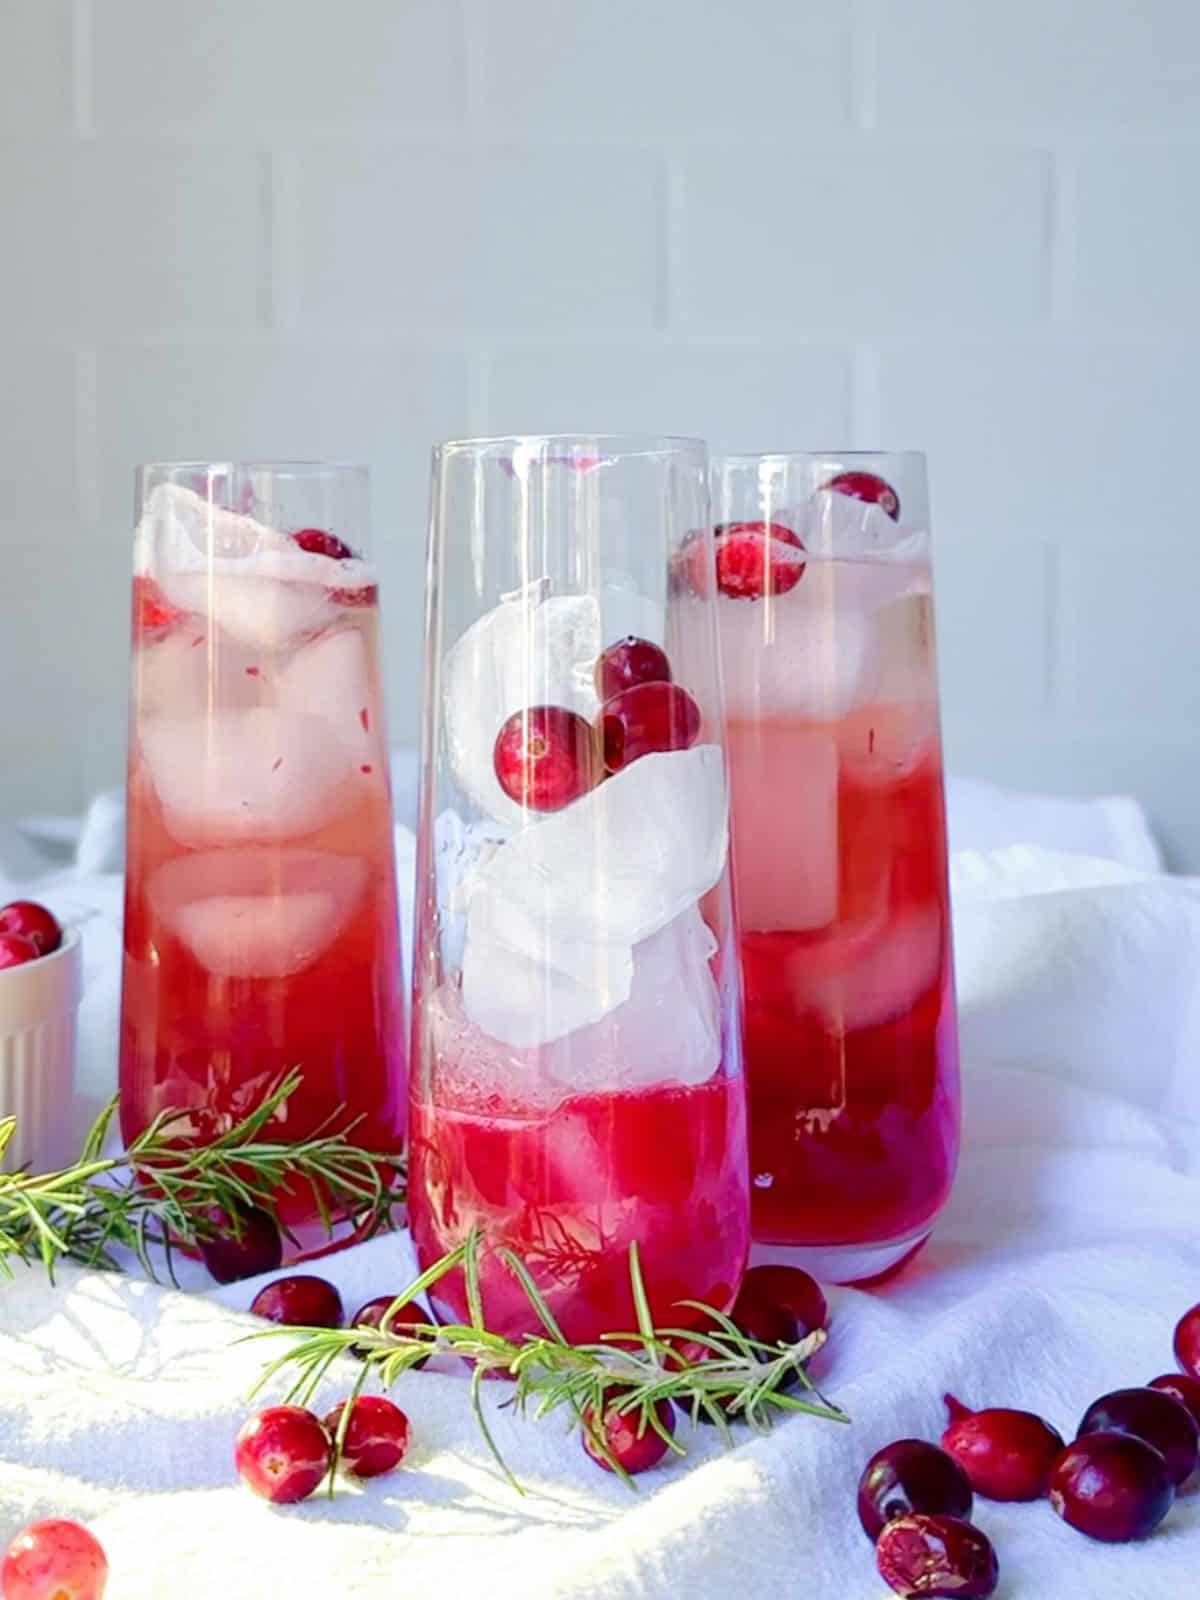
577, 1081
825, 619
260, 908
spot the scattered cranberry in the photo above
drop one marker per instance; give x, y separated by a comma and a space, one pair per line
754, 558
406, 1316
645, 719
791, 1290
15, 951
302, 1301
1182, 1387
152, 611
868, 486
1187, 1342
1111, 1486
54, 1559
1006, 1455
545, 757
632, 1445
28, 920
1153, 1416
282, 1453
908, 1476
628, 662
319, 543
376, 1435
241, 1247
937, 1555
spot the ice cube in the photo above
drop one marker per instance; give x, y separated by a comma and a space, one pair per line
873, 973
837, 525
248, 914
261, 774
190, 669
181, 530
786, 836
263, 611
329, 678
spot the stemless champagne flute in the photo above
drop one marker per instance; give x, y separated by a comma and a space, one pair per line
260, 909
826, 629
577, 1083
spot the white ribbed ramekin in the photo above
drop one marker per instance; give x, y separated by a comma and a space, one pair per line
39, 1002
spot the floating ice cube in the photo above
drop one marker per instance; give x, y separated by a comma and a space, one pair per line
329, 678
837, 525
243, 914
872, 974
261, 774
786, 843
265, 612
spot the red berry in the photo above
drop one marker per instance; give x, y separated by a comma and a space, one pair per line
301, 1301
282, 1453
54, 1559
633, 1442
1111, 1486
1157, 1418
28, 920
628, 662
241, 1247
319, 543
647, 718
753, 559
1180, 1386
1006, 1455
376, 1435
868, 486
152, 611
545, 757
401, 1321
909, 1476
1187, 1342
774, 530
937, 1555
789, 1288
15, 951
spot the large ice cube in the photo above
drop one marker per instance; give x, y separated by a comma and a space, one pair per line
246, 914
837, 525
873, 973
572, 895
266, 612
786, 839
260, 774
329, 678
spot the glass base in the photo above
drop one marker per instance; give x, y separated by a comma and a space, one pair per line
842, 1263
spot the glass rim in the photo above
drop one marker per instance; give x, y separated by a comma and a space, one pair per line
624, 444
746, 457
281, 469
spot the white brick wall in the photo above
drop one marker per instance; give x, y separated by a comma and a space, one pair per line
293, 228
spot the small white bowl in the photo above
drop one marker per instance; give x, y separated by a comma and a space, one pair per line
39, 1003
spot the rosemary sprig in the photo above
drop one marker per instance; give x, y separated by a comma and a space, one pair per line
735, 1378
159, 1192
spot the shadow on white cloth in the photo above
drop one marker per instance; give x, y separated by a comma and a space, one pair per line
1067, 1251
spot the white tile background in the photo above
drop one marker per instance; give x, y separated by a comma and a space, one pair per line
292, 228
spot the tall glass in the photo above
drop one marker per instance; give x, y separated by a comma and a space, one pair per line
260, 906
577, 1083
826, 628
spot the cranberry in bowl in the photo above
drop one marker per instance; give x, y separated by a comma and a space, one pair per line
40, 966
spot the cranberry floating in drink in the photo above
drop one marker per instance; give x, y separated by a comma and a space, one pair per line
826, 629
577, 1083
260, 911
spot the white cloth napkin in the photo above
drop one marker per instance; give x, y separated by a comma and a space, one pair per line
1067, 1252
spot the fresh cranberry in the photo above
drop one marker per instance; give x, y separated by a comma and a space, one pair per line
1153, 1416
1180, 1386
791, 1290
754, 558
937, 1555
868, 486
319, 543
282, 1453
1111, 1486
545, 757
1006, 1455
302, 1301
152, 611
15, 951
376, 1435
241, 1247
54, 1559
1187, 1342
628, 662
405, 1317
647, 718
767, 1319
633, 1445
28, 920
908, 1476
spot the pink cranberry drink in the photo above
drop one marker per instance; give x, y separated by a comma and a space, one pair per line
577, 1086
826, 626
260, 912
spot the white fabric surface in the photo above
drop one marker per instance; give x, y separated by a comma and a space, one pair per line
1067, 1252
